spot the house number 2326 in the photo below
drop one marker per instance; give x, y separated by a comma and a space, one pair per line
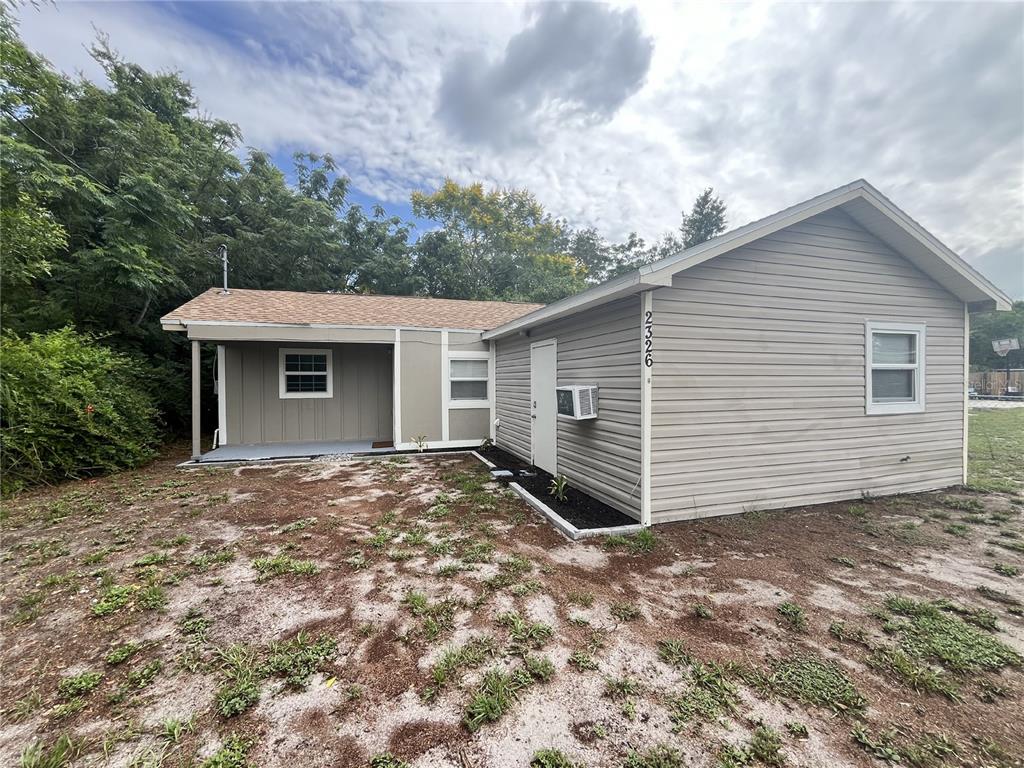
649, 338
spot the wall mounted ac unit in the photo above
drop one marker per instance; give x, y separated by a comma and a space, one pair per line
577, 401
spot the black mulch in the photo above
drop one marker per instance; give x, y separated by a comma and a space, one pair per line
581, 510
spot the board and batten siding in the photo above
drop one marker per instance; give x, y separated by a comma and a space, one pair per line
758, 389
360, 408
600, 346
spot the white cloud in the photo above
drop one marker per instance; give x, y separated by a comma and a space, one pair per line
768, 104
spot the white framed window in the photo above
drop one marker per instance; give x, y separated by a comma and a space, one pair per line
895, 367
305, 373
469, 380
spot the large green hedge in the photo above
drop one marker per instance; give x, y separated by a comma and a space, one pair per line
70, 407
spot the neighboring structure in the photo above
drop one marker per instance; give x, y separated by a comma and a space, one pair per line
815, 355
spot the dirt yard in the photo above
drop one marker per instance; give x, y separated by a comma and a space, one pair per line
408, 610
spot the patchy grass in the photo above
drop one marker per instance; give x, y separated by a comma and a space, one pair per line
793, 615
279, 565
810, 679
996, 450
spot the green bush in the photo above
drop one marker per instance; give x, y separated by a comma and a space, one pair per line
70, 407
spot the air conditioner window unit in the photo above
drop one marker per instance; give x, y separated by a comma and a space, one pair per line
577, 401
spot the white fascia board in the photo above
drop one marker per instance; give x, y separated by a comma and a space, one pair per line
328, 326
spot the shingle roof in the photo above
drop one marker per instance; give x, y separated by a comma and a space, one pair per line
293, 307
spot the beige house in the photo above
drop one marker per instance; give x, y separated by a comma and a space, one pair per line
815, 355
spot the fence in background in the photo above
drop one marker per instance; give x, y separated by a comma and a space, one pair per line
993, 383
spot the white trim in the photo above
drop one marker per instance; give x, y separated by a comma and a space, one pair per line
396, 385
872, 408
445, 386
661, 272
552, 342
222, 397
492, 351
967, 380
281, 386
646, 374
447, 380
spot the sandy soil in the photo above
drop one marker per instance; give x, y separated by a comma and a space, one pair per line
64, 547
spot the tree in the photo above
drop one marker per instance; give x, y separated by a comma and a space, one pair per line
987, 327
705, 220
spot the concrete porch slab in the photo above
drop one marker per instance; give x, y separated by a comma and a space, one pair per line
297, 450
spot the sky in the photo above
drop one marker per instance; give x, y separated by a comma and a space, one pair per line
615, 116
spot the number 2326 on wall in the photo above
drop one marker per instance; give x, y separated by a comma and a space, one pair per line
649, 338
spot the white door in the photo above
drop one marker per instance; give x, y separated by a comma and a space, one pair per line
543, 363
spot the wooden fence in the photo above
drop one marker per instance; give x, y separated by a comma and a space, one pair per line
993, 383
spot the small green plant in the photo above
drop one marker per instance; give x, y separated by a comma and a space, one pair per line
387, 760
809, 679
57, 755
1005, 569
582, 661
121, 653
766, 745
621, 687
558, 487
26, 705
420, 442
523, 634
957, 529
233, 753
296, 660
702, 611
794, 615
552, 758
658, 756
797, 729
279, 565
299, 525
673, 652
497, 692
625, 611
582, 599
79, 685
847, 562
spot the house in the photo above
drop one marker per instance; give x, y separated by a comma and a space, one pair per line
815, 355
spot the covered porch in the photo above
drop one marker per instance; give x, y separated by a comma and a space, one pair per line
292, 450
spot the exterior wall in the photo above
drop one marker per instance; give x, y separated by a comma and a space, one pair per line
469, 423
758, 389
421, 385
599, 346
360, 408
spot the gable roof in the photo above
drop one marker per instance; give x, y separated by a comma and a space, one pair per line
865, 204
250, 307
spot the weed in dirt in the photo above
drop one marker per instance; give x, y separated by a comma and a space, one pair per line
708, 696
387, 760
961, 504
29, 608
1005, 569
121, 653
673, 652
809, 679
153, 558
625, 611
173, 729
448, 570
497, 692
794, 615
79, 685
847, 562
639, 543
540, 668
583, 661
26, 705
579, 621
94, 558
658, 756
298, 659
928, 632
57, 755
68, 708
702, 611
841, 631
140, 678
621, 687
796, 729
299, 525
582, 599
241, 668
437, 617
233, 753
957, 529
523, 634
207, 560
454, 661
118, 597
552, 758
195, 625
766, 746
270, 567
929, 749
915, 673
473, 551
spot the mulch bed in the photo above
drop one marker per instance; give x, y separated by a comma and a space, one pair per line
580, 509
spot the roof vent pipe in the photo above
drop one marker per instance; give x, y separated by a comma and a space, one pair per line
222, 250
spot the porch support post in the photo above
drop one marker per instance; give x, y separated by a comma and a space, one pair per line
646, 372
196, 448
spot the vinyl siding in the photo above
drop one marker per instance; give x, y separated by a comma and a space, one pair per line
759, 379
600, 346
360, 409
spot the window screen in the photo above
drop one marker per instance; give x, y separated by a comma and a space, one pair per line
468, 379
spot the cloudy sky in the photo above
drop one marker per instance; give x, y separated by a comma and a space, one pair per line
617, 115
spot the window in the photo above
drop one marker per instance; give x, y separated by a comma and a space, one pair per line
895, 368
306, 373
469, 381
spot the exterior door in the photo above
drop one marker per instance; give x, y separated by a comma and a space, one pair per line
543, 364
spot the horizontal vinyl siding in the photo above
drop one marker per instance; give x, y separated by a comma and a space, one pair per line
601, 346
759, 379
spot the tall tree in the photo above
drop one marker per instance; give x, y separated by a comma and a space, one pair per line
705, 220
